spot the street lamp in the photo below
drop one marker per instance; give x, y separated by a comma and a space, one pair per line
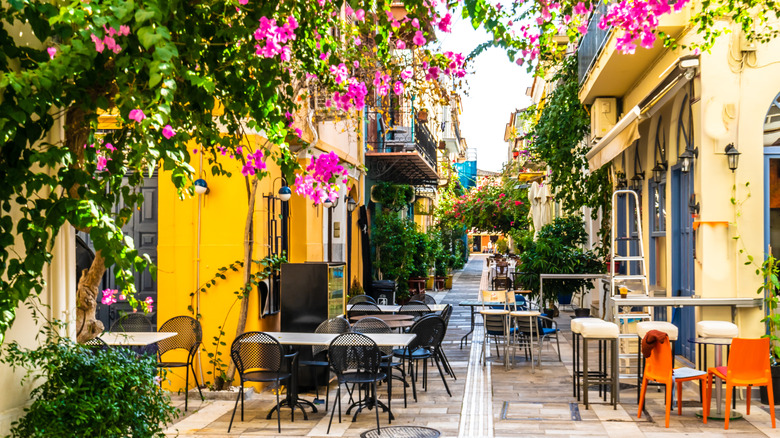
284, 193
636, 182
732, 154
351, 204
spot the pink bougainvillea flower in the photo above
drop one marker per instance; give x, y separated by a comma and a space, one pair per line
137, 115
243, 2
406, 74
99, 46
360, 15
357, 41
168, 132
419, 39
148, 303
400, 45
51, 51
102, 163
110, 147
109, 297
124, 30
518, 203
340, 73
398, 88
445, 24
416, 23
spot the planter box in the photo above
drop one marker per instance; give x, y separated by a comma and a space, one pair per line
430, 282
448, 282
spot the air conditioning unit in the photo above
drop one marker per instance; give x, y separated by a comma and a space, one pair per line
603, 116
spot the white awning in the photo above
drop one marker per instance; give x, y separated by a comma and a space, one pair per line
618, 139
626, 131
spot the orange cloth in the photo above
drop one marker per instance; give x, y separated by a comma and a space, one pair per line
652, 338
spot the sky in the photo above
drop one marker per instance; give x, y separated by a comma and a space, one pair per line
495, 88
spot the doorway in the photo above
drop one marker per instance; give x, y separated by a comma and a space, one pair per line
683, 278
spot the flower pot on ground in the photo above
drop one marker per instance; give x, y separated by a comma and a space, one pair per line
429, 282
448, 282
581, 313
564, 298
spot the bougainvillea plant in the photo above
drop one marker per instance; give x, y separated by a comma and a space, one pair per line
226, 79
498, 205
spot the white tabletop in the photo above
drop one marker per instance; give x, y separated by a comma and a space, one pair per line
324, 339
135, 338
387, 308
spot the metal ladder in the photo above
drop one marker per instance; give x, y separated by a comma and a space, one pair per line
624, 319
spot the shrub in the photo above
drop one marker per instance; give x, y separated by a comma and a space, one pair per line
85, 393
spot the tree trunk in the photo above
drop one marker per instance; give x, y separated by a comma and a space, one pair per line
87, 293
248, 247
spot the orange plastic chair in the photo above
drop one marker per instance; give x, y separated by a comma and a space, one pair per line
658, 368
748, 366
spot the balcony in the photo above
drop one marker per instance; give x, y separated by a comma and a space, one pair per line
401, 148
592, 43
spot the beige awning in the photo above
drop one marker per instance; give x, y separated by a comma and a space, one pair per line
618, 139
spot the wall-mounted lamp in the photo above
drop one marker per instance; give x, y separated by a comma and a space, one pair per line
658, 172
330, 204
621, 180
733, 156
351, 204
284, 193
636, 182
693, 206
201, 186
686, 159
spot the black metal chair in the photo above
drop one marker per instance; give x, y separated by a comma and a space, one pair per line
259, 357
445, 315
430, 332
189, 336
362, 309
356, 359
319, 355
424, 298
97, 344
415, 308
376, 325
361, 299
132, 322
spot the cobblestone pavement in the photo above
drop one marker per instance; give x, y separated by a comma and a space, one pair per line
487, 401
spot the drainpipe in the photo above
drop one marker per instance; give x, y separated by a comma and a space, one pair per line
197, 263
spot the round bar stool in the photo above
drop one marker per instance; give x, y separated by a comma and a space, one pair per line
576, 329
642, 328
607, 332
718, 333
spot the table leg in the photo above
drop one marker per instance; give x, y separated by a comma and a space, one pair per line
531, 343
465, 337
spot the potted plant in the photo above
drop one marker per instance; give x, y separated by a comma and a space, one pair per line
392, 196
392, 235
418, 271
557, 251
770, 270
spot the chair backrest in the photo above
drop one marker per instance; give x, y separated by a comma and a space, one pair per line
415, 308
502, 269
335, 325
505, 297
658, 366
429, 330
364, 308
361, 299
373, 325
354, 351
446, 313
189, 335
424, 298
256, 351
519, 298
96, 344
495, 323
749, 359
132, 322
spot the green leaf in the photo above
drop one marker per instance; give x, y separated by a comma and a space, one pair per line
148, 37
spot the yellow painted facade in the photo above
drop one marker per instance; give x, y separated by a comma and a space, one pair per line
186, 259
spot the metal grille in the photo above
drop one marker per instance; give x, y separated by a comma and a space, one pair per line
402, 432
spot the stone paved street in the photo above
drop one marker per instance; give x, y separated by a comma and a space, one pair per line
487, 401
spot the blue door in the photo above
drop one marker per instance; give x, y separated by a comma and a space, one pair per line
683, 260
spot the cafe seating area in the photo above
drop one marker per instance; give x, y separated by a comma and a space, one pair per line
516, 371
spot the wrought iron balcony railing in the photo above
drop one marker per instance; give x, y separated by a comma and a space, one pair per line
592, 43
399, 131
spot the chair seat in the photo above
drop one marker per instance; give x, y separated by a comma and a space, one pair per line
683, 374
549, 331
171, 364
314, 363
263, 376
361, 377
494, 312
577, 323
419, 353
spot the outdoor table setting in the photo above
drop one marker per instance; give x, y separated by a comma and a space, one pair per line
324, 340
394, 321
393, 308
718, 344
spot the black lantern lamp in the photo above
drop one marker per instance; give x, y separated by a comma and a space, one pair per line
621, 180
686, 159
636, 182
658, 172
351, 204
732, 154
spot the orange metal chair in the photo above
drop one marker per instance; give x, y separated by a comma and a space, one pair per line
748, 366
658, 368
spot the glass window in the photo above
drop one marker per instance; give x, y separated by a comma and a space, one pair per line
658, 208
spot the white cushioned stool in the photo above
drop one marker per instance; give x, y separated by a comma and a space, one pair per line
716, 329
576, 329
601, 331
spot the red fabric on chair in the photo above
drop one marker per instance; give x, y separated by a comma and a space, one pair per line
652, 338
